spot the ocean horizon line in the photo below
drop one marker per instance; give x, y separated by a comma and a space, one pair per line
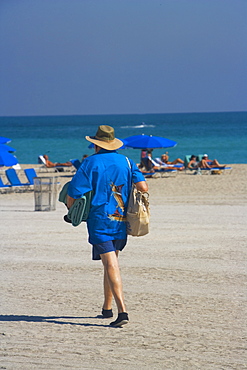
120, 114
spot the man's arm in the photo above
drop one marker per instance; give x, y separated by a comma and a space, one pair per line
141, 186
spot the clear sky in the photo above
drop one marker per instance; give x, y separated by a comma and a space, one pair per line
68, 57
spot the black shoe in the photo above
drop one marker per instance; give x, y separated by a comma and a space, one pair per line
122, 319
66, 219
107, 313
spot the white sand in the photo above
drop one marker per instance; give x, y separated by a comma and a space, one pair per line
184, 283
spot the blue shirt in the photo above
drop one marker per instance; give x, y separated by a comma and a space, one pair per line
110, 176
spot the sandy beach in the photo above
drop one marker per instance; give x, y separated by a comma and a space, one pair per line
184, 283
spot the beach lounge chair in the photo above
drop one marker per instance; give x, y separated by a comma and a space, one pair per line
162, 172
186, 161
216, 170
2, 185
207, 171
167, 172
150, 175
30, 174
41, 160
14, 179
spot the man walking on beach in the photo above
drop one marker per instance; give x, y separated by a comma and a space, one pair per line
110, 176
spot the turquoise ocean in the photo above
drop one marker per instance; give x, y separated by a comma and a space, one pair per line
220, 135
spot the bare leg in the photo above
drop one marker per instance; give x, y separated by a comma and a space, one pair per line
215, 163
112, 281
176, 161
107, 292
68, 164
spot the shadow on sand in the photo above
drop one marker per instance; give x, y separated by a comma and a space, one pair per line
52, 319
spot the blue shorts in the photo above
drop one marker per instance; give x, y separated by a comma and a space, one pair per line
109, 246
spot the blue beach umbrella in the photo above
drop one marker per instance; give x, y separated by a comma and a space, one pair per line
4, 140
6, 148
148, 142
7, 159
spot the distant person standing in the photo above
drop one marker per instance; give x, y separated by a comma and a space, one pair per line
109, 175
143, 154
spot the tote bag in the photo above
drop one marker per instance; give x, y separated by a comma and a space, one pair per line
138, 213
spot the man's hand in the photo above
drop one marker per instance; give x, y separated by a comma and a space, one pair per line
70, 201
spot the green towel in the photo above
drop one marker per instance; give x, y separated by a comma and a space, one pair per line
81, 207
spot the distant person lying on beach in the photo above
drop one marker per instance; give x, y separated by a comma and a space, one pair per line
150, 164
50, 164
160, 162
209, 163
164, 159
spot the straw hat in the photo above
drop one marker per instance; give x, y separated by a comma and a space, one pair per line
105, 138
